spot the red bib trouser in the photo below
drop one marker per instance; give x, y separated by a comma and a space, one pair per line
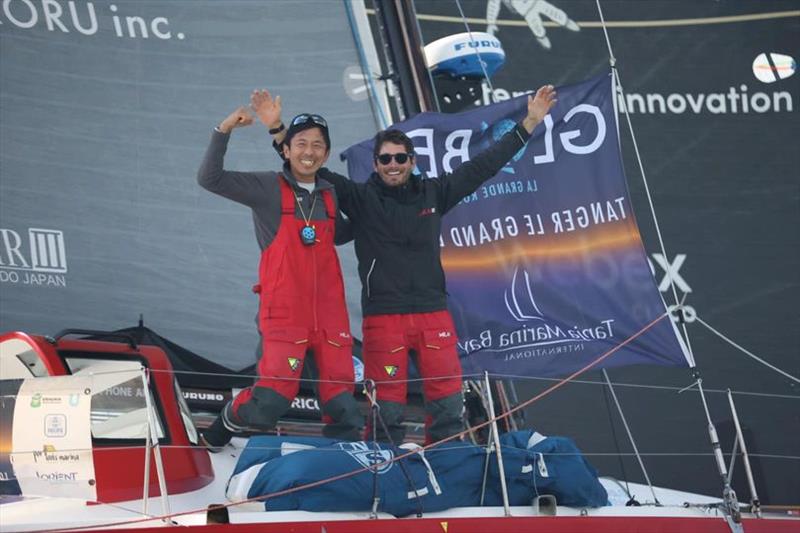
431, 338
302, 309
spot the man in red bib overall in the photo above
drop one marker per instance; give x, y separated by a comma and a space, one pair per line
301, 293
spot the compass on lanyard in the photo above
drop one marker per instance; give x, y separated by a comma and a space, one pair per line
308, 233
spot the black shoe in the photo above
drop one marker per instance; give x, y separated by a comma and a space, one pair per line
208, 446
216, 436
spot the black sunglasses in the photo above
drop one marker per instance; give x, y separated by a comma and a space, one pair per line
306, 118
401, 158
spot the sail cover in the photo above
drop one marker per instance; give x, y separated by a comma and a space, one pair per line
444, 476
545, 266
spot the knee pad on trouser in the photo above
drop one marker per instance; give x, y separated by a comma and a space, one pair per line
257, 408
446, 417
391, 415
342, 417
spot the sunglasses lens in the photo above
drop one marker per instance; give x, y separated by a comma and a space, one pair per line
319, 120
305, 118
385, 159
299, 119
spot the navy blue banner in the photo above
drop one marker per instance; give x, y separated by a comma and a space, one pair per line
545, 265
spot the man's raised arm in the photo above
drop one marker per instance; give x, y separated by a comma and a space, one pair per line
269, 110
242, 187
470, 175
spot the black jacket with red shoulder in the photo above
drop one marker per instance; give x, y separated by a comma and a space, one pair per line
396, 229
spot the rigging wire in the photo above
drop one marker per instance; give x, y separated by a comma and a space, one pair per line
646, 386
613, 62
518, 377
630, 436
374, 100
448, 449
730, 505
616, 444
745, 351
475, 47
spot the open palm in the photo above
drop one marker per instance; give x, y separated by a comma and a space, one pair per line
266, 107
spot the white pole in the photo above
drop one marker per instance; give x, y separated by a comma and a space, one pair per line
153, 434
630, 436
730, 504
147, 444
496, 438
754, 502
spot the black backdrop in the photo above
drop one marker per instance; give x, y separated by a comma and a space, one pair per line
724, 182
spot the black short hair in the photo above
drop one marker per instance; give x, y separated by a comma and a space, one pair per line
394, 137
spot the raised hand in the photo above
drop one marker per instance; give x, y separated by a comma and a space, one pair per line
267, 108
539, 106
240, 117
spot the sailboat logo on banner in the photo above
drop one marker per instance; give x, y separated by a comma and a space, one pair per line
522, 307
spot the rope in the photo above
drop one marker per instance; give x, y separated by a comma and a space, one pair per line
375, 410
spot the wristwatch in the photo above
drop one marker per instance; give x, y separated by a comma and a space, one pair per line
279, 129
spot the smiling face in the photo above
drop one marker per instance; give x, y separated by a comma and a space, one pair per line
393, 173
306, 153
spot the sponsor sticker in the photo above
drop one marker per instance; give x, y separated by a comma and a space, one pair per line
769, 68
55, 426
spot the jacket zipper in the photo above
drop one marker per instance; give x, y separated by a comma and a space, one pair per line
371, 267
314, 269
314, 304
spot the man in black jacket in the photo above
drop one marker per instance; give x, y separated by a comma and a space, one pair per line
396, 218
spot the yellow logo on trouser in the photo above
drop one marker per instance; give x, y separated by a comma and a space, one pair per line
391, 370
294, 362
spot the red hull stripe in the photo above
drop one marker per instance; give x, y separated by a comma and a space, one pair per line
539, 524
